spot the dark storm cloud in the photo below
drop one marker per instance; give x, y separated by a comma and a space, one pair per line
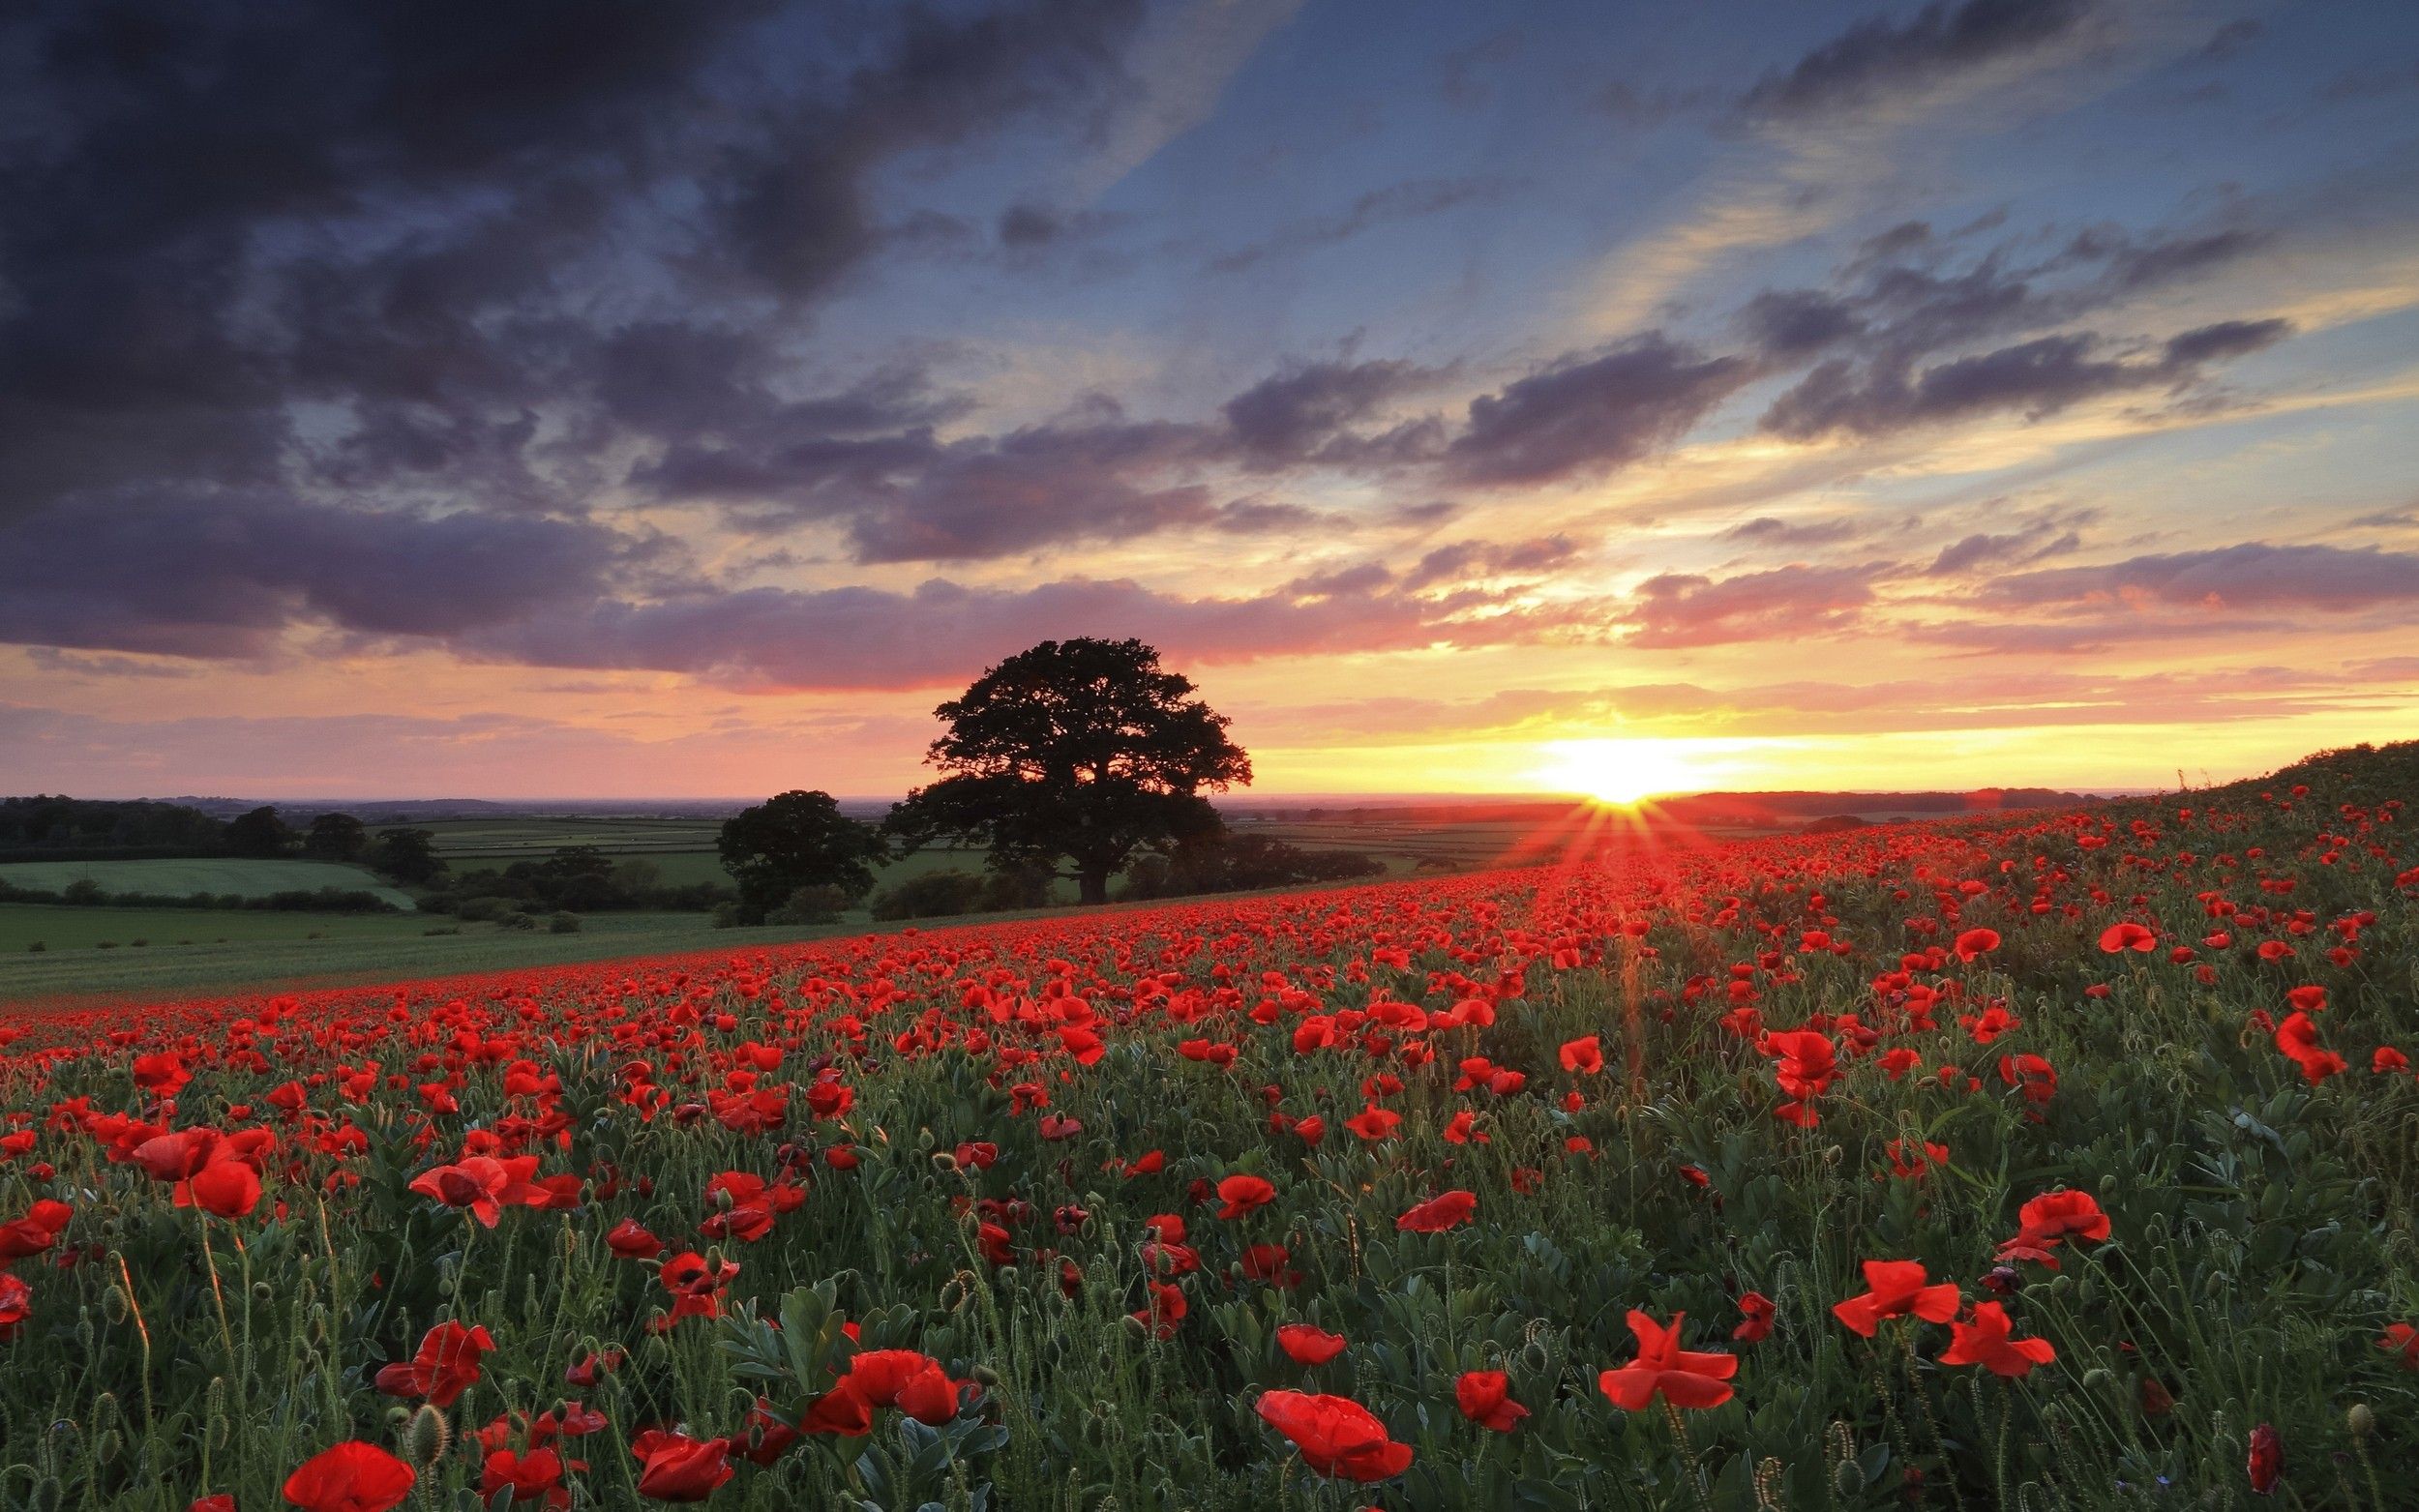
1880, 59
379, 247
1587, 415
215, 572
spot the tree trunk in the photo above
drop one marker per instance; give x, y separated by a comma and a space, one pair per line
1092, 883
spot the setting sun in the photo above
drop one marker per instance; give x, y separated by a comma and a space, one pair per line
1625, 771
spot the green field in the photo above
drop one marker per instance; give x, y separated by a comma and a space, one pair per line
218, 875
95, 951
211, 950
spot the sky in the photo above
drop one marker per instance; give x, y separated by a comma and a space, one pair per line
587, 399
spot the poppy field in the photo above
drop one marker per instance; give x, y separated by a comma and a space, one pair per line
2058, 1158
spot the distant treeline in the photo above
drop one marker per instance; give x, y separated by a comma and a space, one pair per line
85, 893
576, 878
53, 828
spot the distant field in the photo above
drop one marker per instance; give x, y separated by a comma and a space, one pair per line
229, 950
205, 874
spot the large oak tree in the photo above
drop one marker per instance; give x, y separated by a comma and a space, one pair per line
1083, 752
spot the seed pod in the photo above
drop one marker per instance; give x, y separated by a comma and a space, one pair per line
426, 1437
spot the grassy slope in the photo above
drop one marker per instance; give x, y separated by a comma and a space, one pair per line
178, 878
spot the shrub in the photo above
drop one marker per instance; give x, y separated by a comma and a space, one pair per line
817, 905
516, 920
935, 895
563, 924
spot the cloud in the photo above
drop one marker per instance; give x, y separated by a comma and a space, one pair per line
1410, 200
2251, 576
1765, 530
1879, 59
1674, 610
2037, 378
1304, 412
1587, 415
1465, 559
422, 276
218, 574
942, 632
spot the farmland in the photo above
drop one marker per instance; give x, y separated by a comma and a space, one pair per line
219, 877
2050, 1159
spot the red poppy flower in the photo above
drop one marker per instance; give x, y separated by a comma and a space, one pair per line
446, 1365
1372, 1123
629, 1240
351, 1476
1982, 1339
1896, 1289
1484, 1397
2267, 1459
535, 1477
1164, 1310
1976, 942
1337, 1436
2128, 935
2050, 1218
1584, 1056
1243, 1195
1305, 1345
676, 1467
1755, 1319
2402, 1340
1439, 1213
1684, 1377
16, 1303
38, 1231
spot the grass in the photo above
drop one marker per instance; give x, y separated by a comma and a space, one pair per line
217, 874
197, 950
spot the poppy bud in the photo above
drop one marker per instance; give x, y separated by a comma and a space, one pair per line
943, 1161
2267, 1459
2362, 1420
424, 1439
1847, 1477
984, 1374
1534, 1358
1136, 1326
262, 1292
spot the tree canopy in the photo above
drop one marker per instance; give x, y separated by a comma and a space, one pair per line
1081, 751
797, 839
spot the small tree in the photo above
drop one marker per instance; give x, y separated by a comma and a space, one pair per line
797, 839
1084, 751
336, 837
408, 856
259, 834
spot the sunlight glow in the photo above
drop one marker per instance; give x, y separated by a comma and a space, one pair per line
1625, 771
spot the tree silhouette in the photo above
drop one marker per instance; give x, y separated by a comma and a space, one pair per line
797, 839
1084, 751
